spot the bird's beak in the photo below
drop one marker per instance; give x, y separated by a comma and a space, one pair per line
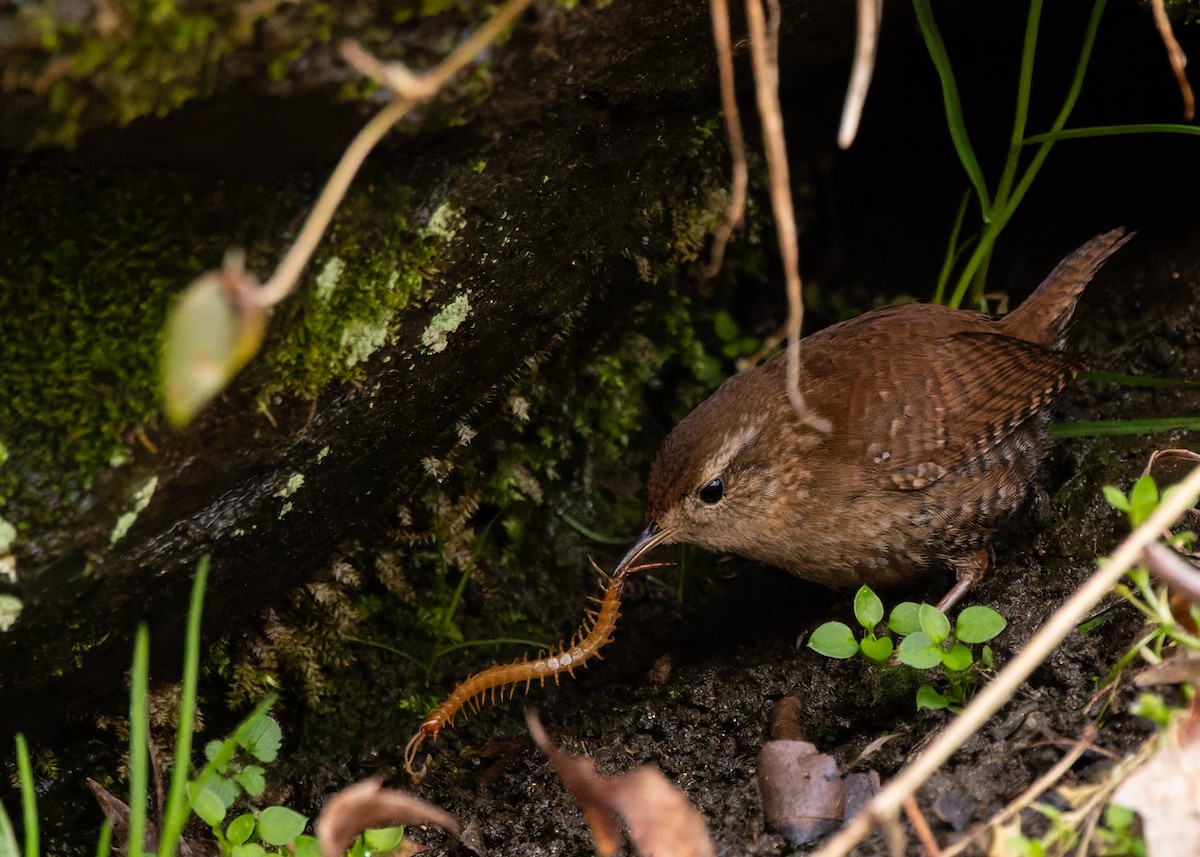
650, 538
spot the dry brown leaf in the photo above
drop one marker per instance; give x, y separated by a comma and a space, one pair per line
367, 804
803, 795
1166, 791
660, 819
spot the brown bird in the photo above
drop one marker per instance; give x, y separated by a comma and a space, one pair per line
937, 424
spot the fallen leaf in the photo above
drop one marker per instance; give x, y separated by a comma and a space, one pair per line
660, 819
803, 795
1166, 791
367, 804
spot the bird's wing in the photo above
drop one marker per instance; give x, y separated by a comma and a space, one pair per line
977, 388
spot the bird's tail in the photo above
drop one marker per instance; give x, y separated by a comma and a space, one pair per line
1043, 316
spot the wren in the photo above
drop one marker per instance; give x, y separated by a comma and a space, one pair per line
937, 424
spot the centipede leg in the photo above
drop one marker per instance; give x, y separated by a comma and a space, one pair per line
410, 756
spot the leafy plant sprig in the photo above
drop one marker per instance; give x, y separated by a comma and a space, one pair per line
227, 775
996, 207
926, 641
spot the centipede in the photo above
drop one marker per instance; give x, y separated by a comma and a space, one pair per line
501, 681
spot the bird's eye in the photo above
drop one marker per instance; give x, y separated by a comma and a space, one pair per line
712, 492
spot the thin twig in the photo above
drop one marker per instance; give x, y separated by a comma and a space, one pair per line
1176, 56
416, 89
740, 172
989, 700
764, 48
921, 827
870, 13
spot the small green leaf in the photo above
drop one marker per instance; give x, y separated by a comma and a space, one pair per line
834, 640
382, 838
987, 659
877, 648
930, 700
278, 825
978, 624
868, 609
240, 829
227, 790
263, 739
251, 779
905, 618
933, 622
959, 658
208, 805
1153, 708
920, 652
307, 846
1117, 817
1116, 498
1142, 499
207, 339
211, 749
248, 849
724, 326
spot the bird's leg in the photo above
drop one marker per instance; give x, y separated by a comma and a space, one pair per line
968, 568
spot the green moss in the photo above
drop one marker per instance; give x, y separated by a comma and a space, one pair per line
138, 58
88, 266
88, 269
147, 57
374, 267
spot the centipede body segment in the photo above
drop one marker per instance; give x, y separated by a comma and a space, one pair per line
495, 681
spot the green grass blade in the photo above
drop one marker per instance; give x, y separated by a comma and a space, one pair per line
104, 842
953, 250
1012, 160
29, 814
176, 813
1111, 428
1001, 217
1139, 380
8, 836
139, 763
950, 99
1081, 66
1021, 114
1113, 131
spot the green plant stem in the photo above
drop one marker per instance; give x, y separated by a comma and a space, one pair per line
953, 106
953, 250
1112, 131
1120, 428
1138, 380
1016, 141
104, 840
139, 762
28, 798
176, 812
1000, 218
230, 746
590, 534
495, 641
